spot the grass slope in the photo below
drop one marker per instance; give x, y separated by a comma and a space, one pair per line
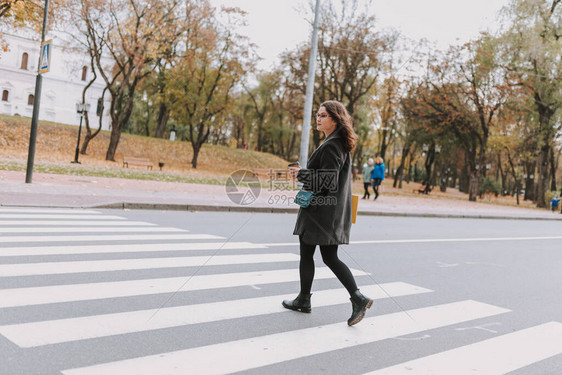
56, 145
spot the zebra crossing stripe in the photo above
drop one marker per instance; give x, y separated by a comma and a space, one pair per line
266, 350
92, 291
58, 216
127, 248
57, 268
495, 356
48, 210
66, 223
133, 237
83, 229
430, 240
64, 330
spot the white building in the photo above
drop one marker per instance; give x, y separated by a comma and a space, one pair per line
62, 86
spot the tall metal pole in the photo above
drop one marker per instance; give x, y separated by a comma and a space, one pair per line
36, 103
303, 156
78, 142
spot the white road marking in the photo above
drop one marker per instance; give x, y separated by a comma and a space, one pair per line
482, 327
57, 331
90, 230
495, 356
20, 223
127, 248
132, 237
447, 265
266, 350
57, 268
59, 216
421, 240
48, 210
92, 291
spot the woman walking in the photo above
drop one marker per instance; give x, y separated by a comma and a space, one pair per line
327, 221
378, 175
367, 171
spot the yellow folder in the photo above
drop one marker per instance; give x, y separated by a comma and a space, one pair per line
354, 206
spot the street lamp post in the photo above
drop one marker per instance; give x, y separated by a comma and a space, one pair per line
303, 154
80, 108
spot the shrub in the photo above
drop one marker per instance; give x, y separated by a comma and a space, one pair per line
488, 186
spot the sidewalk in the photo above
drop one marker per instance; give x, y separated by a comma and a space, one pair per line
50, 190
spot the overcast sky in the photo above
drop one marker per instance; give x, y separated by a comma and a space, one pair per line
277, 25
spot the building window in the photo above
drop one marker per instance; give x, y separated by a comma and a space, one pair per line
24, 59
84, 73
30, 99
5, 95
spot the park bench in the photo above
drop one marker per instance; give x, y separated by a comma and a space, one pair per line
423, 189
133, 160
271, 172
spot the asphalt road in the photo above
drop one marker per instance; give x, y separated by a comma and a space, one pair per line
151, 292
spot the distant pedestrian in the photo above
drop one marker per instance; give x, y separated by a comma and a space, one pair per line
377, 177
327, 220
367, 171
554, 202
354, 172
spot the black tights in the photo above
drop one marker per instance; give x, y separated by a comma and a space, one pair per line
330, 258
376, 186
366, 187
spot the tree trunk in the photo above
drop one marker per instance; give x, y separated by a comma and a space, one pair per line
503, 176
196, 149
291, 146
409, 174
260, 133
552, 171
87, 138
443, 180
464, 179
113, 142
473, 186
400, 171
163, 117
542, 178
121, 109
529, 182
383, 146
428, 164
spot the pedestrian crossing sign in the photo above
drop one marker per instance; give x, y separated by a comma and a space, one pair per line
45, 57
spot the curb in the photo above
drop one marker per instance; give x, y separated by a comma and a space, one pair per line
209, 208
191, 207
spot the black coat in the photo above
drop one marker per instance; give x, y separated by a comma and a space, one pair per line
327, 221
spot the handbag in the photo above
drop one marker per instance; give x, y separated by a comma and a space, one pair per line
304, 198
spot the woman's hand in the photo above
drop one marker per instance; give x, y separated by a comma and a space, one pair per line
294, 171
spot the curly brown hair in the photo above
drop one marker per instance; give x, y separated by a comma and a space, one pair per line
341, 116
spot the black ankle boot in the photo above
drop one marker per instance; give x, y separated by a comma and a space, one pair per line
360, 304
301, 303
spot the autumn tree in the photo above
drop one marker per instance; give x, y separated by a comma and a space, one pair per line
532, 46
17, 14
386, 104
215, 60
261, 98
349, 60
463, 94
133, 34
83, 42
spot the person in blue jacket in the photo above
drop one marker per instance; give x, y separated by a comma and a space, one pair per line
377, 177
554, 202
